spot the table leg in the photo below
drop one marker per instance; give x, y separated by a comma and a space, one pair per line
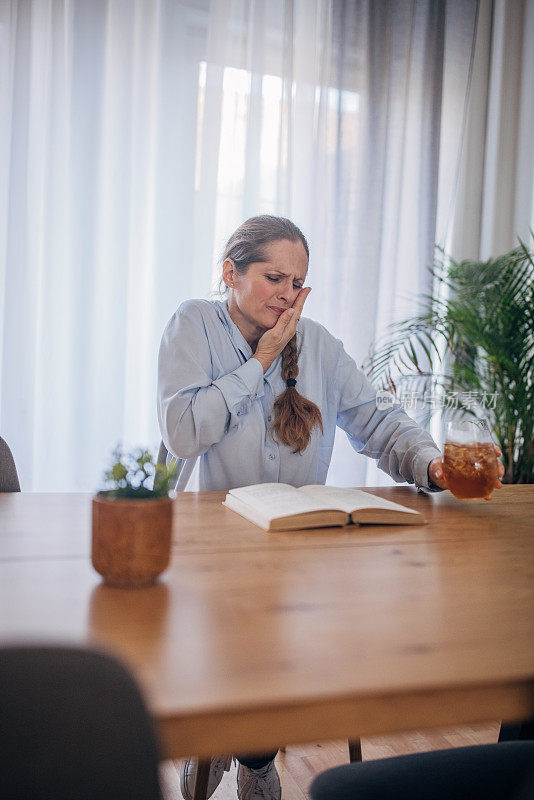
355, 750
201, 781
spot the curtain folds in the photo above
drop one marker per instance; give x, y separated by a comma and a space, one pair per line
495, 196
139, 135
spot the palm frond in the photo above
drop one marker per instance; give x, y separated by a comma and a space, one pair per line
473, 333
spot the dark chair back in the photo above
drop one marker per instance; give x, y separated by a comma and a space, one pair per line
9, 480
73, 726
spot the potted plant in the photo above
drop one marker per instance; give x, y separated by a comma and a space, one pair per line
132, 521
471, 350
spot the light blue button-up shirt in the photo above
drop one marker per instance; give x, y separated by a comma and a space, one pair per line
215, 402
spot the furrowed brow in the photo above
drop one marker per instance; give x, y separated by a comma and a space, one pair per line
285, 275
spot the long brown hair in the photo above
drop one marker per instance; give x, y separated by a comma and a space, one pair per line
294, 415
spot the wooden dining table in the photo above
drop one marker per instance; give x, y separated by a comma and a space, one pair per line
252, 640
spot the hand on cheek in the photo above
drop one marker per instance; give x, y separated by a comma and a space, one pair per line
275, 339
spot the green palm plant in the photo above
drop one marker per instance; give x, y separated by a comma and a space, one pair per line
474, 338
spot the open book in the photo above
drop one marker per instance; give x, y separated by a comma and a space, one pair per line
280, 507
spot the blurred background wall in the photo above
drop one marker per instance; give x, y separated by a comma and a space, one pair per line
137, 134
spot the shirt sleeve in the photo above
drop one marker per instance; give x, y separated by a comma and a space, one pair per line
397, 443
195, 411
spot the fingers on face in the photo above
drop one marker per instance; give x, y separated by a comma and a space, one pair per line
301, 298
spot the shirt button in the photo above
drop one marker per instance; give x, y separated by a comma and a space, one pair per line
269, 418
271, 456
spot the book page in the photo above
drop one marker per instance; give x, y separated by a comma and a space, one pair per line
247, 511
350, 500
289, 522
278, 499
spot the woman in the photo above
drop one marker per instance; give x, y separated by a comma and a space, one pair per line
256, 392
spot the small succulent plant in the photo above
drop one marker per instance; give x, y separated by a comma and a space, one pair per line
135, 475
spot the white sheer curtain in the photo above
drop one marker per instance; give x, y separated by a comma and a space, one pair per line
138, 135
495, 196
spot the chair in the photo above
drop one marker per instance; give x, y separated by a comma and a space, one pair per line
183, 467
9, 481
481, 772
73, 726
519, 730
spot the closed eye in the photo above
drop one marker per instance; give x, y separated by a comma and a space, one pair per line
275, 279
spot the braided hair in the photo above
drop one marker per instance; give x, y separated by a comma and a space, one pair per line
295, 416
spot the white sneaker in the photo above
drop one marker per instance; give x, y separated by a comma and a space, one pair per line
188, 773
258, 784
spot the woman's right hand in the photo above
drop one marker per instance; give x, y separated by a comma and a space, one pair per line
275, 339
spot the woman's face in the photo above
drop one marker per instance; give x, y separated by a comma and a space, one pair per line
267, 288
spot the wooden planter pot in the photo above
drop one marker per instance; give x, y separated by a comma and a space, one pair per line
131, 540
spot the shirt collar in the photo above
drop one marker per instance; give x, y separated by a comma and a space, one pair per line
237, 337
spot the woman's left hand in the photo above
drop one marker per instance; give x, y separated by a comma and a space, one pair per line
437, 476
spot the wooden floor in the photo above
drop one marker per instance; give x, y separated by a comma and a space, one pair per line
300, 764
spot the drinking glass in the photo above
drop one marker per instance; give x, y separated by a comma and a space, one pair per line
470, 463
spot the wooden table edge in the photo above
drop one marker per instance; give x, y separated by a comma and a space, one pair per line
347, 717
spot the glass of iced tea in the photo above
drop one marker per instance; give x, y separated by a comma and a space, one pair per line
470, 463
